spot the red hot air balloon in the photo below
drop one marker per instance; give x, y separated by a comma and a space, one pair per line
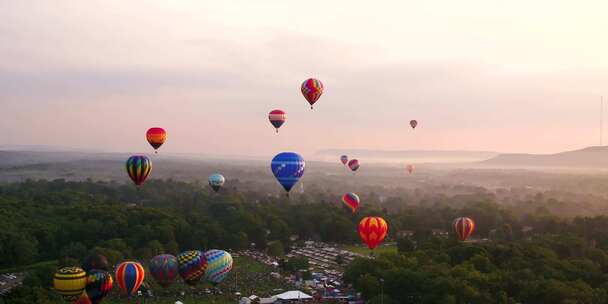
344, 159
312, 89
409, 168
353, 164
372, 230
463, 227
156, 137
413, 123
351, 200
277, 118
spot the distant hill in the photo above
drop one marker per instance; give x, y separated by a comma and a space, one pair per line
590, 157
416, 156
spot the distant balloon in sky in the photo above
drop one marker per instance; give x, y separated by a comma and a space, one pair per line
463, 227
156, 137
312, 89
413, 123
277, 118
288, 168
216, 181
353, 164
372, 230
409, 168
138, 168
351, 200
129, 276
344, 159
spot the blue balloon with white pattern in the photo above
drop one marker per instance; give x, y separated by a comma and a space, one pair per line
219, 264
288, 168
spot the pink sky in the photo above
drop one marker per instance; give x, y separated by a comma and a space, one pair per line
478, 75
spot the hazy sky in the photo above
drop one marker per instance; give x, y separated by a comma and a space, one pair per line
511, 76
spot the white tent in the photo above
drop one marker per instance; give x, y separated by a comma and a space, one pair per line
179, 302
293, 295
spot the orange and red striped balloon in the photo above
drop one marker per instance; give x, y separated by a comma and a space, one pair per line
372, 230
156, 137
463, 227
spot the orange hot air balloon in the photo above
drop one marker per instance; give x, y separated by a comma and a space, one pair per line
372, 230
463, 227
156, 137
413, 123
409, 168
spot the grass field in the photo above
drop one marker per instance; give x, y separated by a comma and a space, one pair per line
365, 251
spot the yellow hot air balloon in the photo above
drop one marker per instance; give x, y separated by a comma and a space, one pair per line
70, 282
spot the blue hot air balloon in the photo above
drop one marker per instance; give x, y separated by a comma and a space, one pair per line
287, 167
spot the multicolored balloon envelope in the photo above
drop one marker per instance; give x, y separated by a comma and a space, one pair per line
219, 264
288, 168
312, 89
129, 276
216, 181
351, 200
99, 284
156, 137
95, 261
344, 159
353, 164
138, 168
277, 118
164, 269
410, 168
191, 266
463, 227
70, 283
372, 230
413, 123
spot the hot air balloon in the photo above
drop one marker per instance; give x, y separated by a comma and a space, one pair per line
83, 299
156, 137
351, 200
353, 164
95, 261
216, 181
409, 168
277, 118
164, 269
70, 282
129, 276
287, 167
138, 168
413, 123
463, 227
99, 284
312, 89
344, 159
373, 230
191, 266
219, 264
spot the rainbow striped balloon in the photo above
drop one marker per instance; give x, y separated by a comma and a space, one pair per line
312, 89
163, 269
219, 264
130, 276
138, 168
351, 200
463, 227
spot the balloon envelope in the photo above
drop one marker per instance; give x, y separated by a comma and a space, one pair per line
277, 118
70, 283
353, 164
156, 137
129, 276
95, 261
164, 269
372, 230
344, 159
351, 200
99, 284
191, 266
219, 264
413, 124
138, 168
216, 181
409, 168
312, 89
288, 168
463, 227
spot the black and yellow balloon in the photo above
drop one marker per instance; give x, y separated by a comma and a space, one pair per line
70, 282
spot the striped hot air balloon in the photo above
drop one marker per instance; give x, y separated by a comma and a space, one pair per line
463, 227
353, 164
130, 276
351, 200
164, 269
191, 266
219, 264
277, 118
156, 137
70, 283
138, 168
312, 89
344, 159
372, 230
99, 284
